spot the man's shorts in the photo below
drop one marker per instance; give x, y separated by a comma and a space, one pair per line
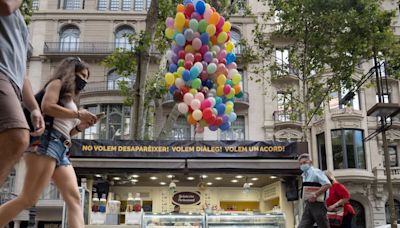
11, 114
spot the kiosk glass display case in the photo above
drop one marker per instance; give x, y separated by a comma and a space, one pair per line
251, 220
153, 220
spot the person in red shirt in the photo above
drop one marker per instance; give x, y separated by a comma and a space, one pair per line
339, 196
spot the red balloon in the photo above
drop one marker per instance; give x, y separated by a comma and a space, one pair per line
223, 61
204, 75
178, 96
211, 120
198, 57
184, 90
181, 54
190, 109
204, 49
188, 65
207, 113
189, 10
218, 121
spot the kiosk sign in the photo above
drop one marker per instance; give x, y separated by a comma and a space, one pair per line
186, 198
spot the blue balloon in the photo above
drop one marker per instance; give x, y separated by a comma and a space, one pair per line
209, 84
173, 68
232, 117
200, 7
213, 128
194, 72
205, 38
172, 89
180, 40
186, 75
225, 126
220, 109
230, 58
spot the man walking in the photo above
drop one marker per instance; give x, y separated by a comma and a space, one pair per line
315, 184
14, 88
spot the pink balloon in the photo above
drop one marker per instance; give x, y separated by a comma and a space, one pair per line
195, 104
204, 49
222, 55
207, 14
220, 68
220, 22
189, 57
169, 22
196, 43
199, 130
205, 104
215, 60
199, 96
232, 66
204, 75
196, 35
225, 72
227, 90
188, 98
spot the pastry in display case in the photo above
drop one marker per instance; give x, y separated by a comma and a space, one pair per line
153, 220
241, 220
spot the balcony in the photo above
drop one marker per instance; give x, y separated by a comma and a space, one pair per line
81, 48
346, 113
240, 103
287, 119
287, 75
380, 174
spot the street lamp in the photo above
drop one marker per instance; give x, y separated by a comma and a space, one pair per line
385, 111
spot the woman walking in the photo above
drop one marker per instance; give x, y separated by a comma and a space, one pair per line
48, 160
339, 197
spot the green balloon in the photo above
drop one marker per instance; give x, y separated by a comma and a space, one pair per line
229, 82
239, 95
194, 25
196, 83
203, 26
181, 62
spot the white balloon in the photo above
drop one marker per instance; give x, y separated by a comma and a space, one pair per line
188, 98
195, 104
183, 108
179, 82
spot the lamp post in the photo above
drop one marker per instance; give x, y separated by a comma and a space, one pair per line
385, 111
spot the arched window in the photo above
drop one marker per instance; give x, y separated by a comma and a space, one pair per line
114, 80
121, 41
396, 208
235, 38
359, 218
69, 39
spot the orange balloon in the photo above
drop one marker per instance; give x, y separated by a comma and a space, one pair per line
214, 40
237, 89
214, 19
187, 23
180, 8
191, 120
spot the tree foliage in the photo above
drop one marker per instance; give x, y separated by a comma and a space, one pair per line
326, 40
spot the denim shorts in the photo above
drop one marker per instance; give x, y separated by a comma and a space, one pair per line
52, 146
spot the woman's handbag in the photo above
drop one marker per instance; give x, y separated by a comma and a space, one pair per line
336, 217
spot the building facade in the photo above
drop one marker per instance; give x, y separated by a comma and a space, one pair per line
92, 29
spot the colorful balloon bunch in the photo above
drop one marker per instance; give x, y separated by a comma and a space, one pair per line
202, 75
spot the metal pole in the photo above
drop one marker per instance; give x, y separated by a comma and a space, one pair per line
393, 220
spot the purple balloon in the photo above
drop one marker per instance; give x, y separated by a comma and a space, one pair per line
205, 64
196, 15
176, 48
225, 126
208, 57
225, 118
174, 58
213, 128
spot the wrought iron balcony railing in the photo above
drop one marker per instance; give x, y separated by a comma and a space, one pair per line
286, 116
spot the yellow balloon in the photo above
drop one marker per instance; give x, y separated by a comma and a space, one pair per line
230, 46
178, 28
193, 91
228, 109
231, 94
220, 90
221, 80
169, 78
176, 75
208, 6
236, 79
222, 37
180, 71
227, 26
180, 20
189, 49
211, 29
169, 33
230, 103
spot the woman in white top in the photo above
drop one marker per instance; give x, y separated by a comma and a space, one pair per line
48, 159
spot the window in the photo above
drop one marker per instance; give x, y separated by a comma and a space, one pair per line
114, 5
236, 131
9, 184
321, 151
115, 125
121, 39
69, 39
126, 5
336, 96
72, 4
348, 149
50, 192
35, 5
181, 130
114, 80
394, 160
282, 60
102, 5
396, 208
235, 38
148, 2
283, 114
93, 131
385, 98
359, 218
139, 5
